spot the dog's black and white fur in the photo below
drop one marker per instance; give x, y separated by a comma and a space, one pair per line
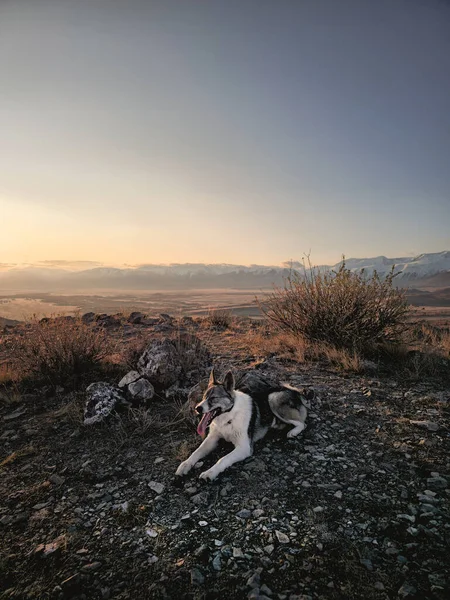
243, 417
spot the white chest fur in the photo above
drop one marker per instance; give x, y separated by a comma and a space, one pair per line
232, 425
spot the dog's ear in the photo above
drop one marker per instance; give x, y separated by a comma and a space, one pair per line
228, 382
212, 378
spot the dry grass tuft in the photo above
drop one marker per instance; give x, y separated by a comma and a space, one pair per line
26, 451
222, 318
192, 352
59, 351
266, 342
8, 375
348, 361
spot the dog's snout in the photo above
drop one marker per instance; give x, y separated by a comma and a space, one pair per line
199, 409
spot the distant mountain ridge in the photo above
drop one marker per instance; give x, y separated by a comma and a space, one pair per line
200, 275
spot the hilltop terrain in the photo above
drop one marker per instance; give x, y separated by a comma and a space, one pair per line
356, 507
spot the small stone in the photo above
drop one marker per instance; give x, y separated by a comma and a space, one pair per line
151, 532
318, 509
367, 563
156, 487
237, 553
437, 483
217, 563
56, 479
254, 580
130, 377
407, 590
437, 580
244, 514
338, 494
265, 590
258, 512
406, 517
203, 523
281, 537
197, 577
269, 548
199, 499
141, 389
378, 585
152, 559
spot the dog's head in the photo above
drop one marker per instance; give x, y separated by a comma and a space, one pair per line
217, 399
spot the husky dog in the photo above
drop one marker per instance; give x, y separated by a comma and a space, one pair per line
242, 418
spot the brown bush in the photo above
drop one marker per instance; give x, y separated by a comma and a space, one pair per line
59, 351
344, 309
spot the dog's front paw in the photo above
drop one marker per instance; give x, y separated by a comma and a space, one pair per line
184, 468
209, 475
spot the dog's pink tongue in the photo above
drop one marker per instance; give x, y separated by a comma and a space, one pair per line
203, 425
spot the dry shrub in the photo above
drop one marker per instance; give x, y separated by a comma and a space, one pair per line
344, 309
222, 318
60, 351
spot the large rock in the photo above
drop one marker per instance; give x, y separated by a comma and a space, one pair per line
130, 377
141, 390
101, 399
88, 317
183, 358
136, 318
160, 364
137, 388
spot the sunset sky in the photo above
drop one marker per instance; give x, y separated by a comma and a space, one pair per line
247, 131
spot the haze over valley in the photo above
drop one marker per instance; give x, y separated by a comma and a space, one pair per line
194, 289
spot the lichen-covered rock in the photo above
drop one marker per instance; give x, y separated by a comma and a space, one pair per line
141, 390
137, 388
101, 399
160, 364
183, 358
130, 377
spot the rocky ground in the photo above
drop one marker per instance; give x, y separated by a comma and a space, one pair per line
356, 507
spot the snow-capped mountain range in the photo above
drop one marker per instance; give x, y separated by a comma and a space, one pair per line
410, 271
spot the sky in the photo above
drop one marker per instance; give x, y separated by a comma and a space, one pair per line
238, 131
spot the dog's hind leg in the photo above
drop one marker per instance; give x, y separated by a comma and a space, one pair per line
282, 407
299, 426
207, 446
